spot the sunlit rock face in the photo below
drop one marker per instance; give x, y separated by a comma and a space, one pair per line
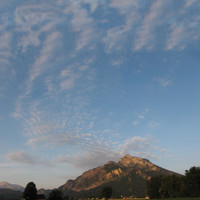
126, 177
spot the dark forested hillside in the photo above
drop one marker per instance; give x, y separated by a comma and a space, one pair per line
7, 194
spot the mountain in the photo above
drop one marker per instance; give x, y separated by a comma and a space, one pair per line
7, 194
5, 185
44, 192
127, 177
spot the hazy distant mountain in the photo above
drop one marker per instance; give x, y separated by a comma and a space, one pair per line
44, 192
5, 185
128, 177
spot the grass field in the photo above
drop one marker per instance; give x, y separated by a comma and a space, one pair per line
186, 198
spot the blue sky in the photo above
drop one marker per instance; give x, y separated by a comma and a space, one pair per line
83, 82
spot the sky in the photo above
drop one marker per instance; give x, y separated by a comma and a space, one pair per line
84, 82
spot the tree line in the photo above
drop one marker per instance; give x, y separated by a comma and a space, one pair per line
175, 186
30, 193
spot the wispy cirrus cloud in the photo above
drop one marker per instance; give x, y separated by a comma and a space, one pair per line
140, 117
42, 63
183, 29
25, 158
93, 4
103, 152
7, 73
164, 82
81, 22
35, 27
55, 140
190, 2
71, 75
32, 20
145, 35
134, 144
181, 34
116, 36
58, 124
5, 50
143, 147
86, 160
153, 124
164, 25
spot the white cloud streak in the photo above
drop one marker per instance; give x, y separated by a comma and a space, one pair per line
145, 36
81, 22
140, 117
136, 146
117, 35
162, 26
153, 124
85, 160
190, 2
5, 51
32, 20
42, 63
93, 4
164, 82
55, 140
25, 158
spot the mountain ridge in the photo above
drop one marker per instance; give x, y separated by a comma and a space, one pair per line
14, 187
127, 177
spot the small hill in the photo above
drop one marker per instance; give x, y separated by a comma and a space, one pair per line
127, 177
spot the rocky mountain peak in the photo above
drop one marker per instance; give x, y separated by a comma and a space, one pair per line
130, 161
126, 177
111, 163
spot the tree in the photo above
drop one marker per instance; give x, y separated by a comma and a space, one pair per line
66, 198
166, 189
30, 192
153, 187
166, 186
55, 195
106, 192
192, 181
172, 186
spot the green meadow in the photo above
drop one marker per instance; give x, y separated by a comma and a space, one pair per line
185, 198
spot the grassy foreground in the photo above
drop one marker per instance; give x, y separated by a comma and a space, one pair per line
185, 198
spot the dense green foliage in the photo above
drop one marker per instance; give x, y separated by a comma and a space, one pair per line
153, 187
192, 181
30, 192
56, 195
175, 186
106, 192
